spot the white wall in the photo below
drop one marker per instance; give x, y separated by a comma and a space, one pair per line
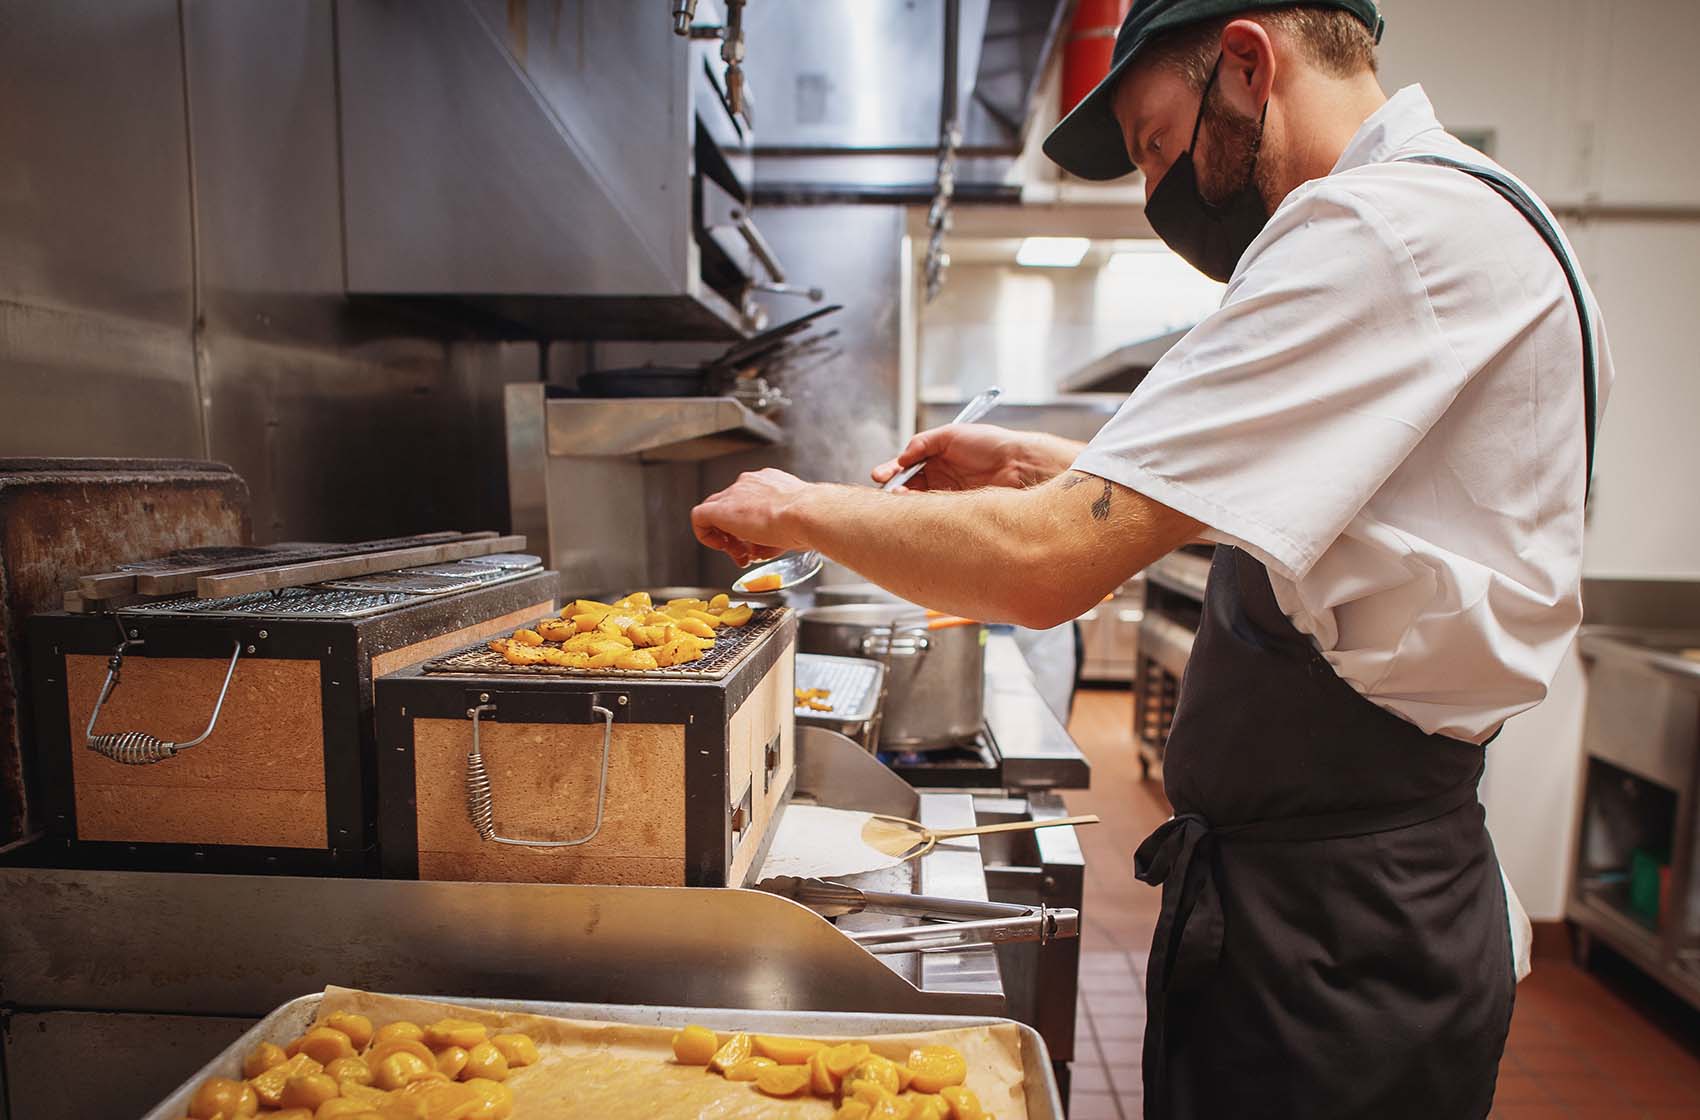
1591, 104
1022, 329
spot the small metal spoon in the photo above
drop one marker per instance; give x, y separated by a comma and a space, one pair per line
795, 568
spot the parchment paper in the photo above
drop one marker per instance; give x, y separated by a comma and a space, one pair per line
603, 1070
813, 841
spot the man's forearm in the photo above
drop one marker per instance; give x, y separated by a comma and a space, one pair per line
964, 553
1036, 557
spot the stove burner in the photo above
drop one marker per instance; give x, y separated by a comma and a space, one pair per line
974, 764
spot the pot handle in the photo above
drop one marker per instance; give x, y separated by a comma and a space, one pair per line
883, 644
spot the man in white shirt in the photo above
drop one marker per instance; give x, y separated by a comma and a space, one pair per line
1387, 429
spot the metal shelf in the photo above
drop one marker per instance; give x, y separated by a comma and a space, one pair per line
659, 429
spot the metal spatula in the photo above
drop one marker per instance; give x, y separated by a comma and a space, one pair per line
906, 840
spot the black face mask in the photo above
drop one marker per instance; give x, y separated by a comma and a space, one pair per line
1211, 236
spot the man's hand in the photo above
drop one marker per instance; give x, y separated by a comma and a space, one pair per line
972, 456
748, 520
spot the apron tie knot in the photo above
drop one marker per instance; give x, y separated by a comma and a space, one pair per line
1188, 940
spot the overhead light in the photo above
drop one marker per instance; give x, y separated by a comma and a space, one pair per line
1052, 252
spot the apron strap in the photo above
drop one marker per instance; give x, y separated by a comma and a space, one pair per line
1519, 197
1182, 857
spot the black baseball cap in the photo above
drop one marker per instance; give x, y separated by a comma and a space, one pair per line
1088, 142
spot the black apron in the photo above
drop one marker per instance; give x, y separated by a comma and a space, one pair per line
1333, 941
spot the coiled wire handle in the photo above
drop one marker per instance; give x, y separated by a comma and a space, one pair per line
138, 748
480, 800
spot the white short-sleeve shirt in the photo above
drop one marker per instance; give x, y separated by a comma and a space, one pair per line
1387, 411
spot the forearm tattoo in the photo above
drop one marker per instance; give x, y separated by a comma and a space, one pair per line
1101, 507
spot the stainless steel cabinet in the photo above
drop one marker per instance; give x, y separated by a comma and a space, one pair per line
1636, 872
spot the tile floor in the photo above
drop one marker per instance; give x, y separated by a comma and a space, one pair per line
1598, 1044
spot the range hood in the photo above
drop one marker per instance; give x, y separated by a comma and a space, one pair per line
544, 169
851, 94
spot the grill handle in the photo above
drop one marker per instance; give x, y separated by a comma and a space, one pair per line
480, 799
139, 748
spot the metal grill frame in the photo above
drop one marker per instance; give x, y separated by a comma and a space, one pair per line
481, 661
319, 601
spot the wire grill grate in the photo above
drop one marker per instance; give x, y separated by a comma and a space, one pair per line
289, 602
730, 648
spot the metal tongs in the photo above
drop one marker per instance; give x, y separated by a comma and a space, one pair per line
959, 923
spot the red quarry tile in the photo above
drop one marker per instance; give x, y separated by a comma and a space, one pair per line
1093, 1106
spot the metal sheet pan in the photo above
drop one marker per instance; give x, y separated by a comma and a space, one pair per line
1043, 1100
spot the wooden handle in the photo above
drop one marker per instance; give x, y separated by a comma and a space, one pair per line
1012, 826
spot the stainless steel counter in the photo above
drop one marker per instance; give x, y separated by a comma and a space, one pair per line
93, 957
1673, 653
1037, 750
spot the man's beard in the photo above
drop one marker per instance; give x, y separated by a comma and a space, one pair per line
1236, 152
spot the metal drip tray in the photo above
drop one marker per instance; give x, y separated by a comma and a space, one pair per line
731, 646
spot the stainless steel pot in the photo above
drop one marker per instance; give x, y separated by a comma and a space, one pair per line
837, 594
935, 679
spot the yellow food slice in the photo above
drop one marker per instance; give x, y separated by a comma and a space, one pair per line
749, 1069
768, 582
926, 1106
822, 1083
696, 627
588, 622
733, 1051
606, 660
325, 1045
358, 1028
844, 1057
783, 1081
556, 629
310, 1090
518, 1049
720, 602
786, 1051
962, 1102
645, 637
263, 1057
269, 1085
937, 1067
737, 616
223, 1098
565, 659
638, 660
401, 1028
516, 654
496, 1101
695, 1046
528, 637
879, 1071
686, 604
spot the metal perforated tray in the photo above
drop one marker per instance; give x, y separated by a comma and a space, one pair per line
1044, 1102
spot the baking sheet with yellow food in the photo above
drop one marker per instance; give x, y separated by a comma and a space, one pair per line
595, 1069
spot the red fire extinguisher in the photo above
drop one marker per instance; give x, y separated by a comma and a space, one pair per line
1086, 52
